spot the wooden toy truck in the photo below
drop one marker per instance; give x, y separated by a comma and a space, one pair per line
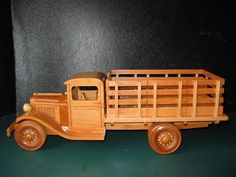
160, 101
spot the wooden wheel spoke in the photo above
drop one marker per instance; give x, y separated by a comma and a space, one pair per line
30, 135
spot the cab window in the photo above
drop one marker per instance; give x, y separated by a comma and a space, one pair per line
84, 93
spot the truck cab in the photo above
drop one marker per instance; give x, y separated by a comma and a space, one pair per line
85, 96
77, 114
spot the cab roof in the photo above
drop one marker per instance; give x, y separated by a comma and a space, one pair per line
86, 75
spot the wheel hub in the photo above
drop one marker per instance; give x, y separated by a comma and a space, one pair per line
165, 138
29, 135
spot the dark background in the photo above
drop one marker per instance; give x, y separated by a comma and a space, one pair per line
7, 76
54, 39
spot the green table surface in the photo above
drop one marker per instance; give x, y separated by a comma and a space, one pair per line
208, 152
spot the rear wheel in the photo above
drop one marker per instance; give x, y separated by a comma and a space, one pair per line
164, 138
30, 135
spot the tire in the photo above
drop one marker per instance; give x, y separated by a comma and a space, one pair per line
30, 135
164, 138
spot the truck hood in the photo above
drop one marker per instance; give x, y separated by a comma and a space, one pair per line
55, 98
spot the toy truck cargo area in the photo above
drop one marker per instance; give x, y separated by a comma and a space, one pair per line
160, 101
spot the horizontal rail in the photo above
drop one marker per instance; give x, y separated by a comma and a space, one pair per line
165, 73
159, 71
144, 101
200, 91
157, 78
171, 82
167, 119
47, 94
166, 111
213, 76
163, 101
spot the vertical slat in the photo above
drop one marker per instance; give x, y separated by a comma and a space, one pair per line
196, 75
166, 75
194, 98
139, 99
116, 100
154, 114
148, 75
117, 75
179, 75
69, 101
180, 99
135, 75
217, 98
107, 97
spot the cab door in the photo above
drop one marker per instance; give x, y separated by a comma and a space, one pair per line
86, 108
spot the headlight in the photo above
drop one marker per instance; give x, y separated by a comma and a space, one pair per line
27, 107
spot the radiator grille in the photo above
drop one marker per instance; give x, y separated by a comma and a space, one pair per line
47, 110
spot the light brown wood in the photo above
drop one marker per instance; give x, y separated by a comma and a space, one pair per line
131, 119
159, 71
217, 98
116, 100
194, 98
170, 97
128, 100
142, 126
165, 112
180, 99
165, 100
154, 100
64, 115
213, 76
127, 126
47, 94
139, 100
166, 91
191, 125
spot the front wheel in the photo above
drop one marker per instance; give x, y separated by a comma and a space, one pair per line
30, 135
164, 138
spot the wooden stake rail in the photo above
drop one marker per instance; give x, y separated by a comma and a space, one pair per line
180, 73
183, 95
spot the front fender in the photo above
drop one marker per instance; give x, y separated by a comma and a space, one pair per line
55, 128
49, 124
43, 120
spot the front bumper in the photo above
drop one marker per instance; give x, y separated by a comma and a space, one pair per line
10, 129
